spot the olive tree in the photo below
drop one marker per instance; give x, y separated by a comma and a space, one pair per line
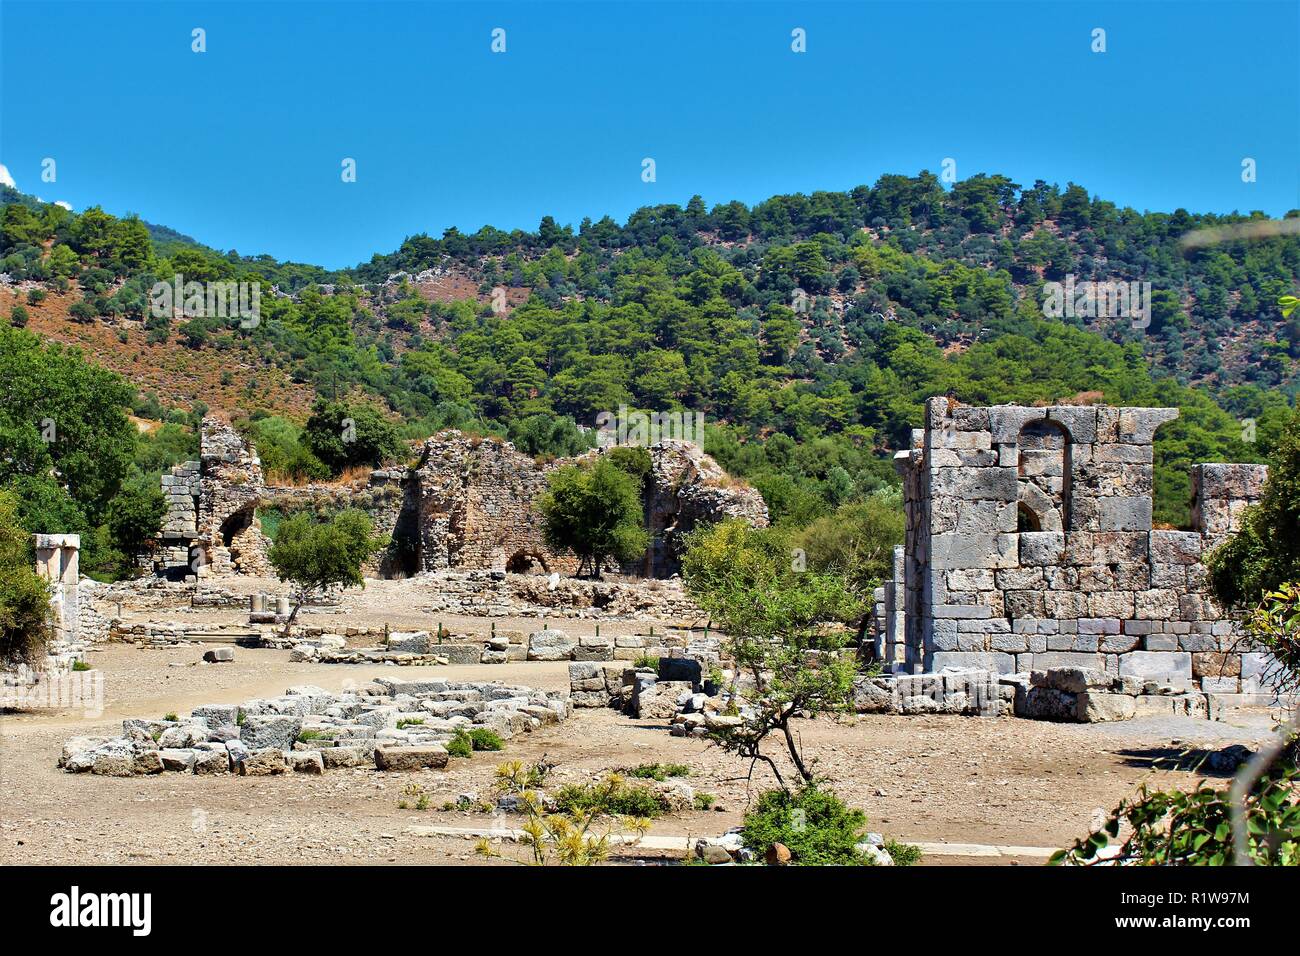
313, 555
784, 631
594, 510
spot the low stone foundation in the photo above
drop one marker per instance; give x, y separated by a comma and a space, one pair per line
388, 725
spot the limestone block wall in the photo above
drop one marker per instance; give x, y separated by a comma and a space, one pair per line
1030, 545
687, 488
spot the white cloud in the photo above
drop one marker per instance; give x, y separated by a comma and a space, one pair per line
65, 205
5, 178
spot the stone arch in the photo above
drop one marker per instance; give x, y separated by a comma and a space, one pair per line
1027, 519
237, 523
524, 561
1043, 468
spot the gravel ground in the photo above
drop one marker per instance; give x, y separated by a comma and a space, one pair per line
934, 779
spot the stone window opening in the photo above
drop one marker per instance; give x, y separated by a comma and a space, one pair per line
1026, 520
1043, 468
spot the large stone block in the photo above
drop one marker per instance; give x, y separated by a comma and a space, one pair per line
1124, 514
1041, 547
550, 645
976, 484
1156, 665
981, 660
1005, 421
1079, 421
277, 731
960, 551
1137, 426
1175, 547
408, 642
427, 757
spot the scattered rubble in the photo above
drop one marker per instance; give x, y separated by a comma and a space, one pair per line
389, 725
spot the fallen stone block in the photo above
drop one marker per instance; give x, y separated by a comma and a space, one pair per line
306, 761
431, 757
177, 760
266, 762
1096, 707
335, 757
409, 642
207, 762
267, 731
219, 655
550, 645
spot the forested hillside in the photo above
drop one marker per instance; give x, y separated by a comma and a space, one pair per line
908, 290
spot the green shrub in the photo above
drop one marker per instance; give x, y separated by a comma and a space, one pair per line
461, 745
816, 826
410, 722
705, 801
903, 854
646, 660
659, 771
1174, 828
172, 717
307, 735
484, 739
612, 796
80, 666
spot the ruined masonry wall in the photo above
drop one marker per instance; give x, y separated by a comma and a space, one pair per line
469, 504
1029, 545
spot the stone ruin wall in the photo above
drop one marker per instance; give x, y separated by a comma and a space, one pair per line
475, 507
211, 525
468, 505
1030, 545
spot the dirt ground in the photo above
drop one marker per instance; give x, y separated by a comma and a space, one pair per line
934, 779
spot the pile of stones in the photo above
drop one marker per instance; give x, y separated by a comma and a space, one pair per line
1085, 695
678, 692
388, 724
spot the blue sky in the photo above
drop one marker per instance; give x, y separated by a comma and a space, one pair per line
241, 146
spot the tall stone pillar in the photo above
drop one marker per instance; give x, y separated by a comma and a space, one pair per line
57, 562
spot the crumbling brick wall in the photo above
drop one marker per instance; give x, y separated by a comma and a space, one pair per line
1029, 545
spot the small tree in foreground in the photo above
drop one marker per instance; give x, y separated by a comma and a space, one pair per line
785, 631
594, 510
313, 555
818, 829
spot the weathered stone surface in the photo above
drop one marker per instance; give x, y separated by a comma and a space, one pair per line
1096, 707
306, 761
1156, 665
219, 655
265, 762
658, 700
550, 645
262, 731
409, 642
208, 762
429, 757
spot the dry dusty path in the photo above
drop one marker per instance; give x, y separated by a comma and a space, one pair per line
933, 779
